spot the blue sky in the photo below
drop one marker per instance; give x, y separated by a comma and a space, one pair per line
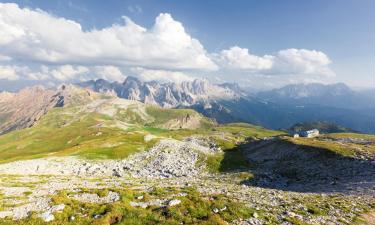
342, 31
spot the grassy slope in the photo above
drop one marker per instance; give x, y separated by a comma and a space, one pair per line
71, 131
343, 149
323, 127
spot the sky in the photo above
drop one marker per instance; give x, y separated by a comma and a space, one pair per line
258, 44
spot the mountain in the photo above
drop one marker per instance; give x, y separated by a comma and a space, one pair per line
333, 95
275, 109
167, 95
21, 110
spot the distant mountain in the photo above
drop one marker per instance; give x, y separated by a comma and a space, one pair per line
167, 95
322, 126
334, 95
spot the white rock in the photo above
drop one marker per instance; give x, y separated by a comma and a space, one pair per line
47, 216
174, 202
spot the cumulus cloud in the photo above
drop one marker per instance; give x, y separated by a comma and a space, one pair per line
58, 49
240, 58
289, 62
302, 61
35, 35
161, 75
111, 73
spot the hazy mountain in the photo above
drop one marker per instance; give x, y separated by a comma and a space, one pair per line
334, 95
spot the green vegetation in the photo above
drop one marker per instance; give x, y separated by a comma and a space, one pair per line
352, 135
193, 209
328, 146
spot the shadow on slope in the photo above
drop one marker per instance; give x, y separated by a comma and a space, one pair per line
279, 163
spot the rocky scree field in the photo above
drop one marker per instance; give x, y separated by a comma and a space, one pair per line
97, 159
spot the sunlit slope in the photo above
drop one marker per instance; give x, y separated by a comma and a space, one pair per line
101, 127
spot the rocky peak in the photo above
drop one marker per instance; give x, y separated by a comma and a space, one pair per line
164, 94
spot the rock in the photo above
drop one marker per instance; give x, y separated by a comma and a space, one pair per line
255, 215
174, 202
47, 216
57, 208
94, 198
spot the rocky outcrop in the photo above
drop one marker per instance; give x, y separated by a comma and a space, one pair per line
168, 158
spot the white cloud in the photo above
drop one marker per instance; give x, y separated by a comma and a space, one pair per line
9, 72
61, 73
240, 58
68, 72
161, 75
5, 58
35, 35
302, 61
42, 74
112, 73
289, 62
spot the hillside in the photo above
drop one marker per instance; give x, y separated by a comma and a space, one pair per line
22, 109
88, 120
323, 127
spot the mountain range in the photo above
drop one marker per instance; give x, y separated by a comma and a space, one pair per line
277, 109
225, 103
65, 151
166, 95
